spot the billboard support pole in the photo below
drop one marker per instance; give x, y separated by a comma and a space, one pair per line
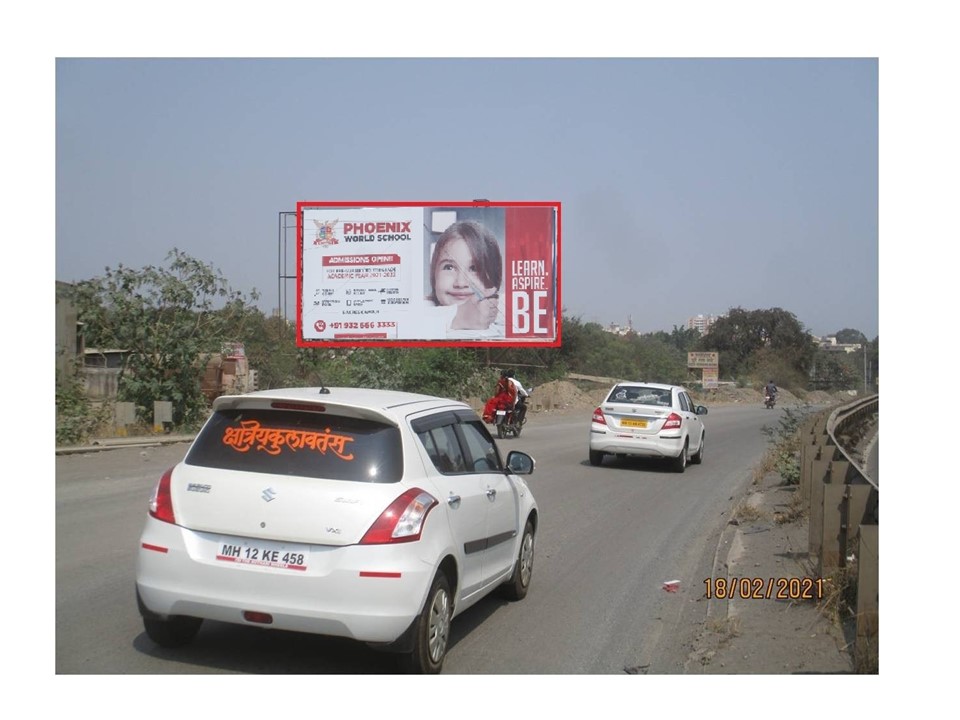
283, 253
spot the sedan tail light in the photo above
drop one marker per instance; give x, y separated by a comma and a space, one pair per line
403, 520
673, 421
598, 417
161, 504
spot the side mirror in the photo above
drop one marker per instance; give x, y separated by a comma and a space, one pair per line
701, 410
519, 463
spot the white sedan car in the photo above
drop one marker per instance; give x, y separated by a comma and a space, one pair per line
648, 420
367, 514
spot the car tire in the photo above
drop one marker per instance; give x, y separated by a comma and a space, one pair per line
680, 461
518, 584
173, 632
596, 457
432, 633
697, 457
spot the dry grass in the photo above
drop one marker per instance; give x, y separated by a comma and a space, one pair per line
767, 465
867, 659
839, 602
726, 629
747, 513
795, 510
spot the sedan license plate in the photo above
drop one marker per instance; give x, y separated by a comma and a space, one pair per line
263, 553
632, 423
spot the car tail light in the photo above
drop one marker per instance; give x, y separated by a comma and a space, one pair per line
161, 504
255, 616
673, 421
403, 520
598, 417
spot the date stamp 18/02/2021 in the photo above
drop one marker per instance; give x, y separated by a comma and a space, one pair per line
756, 588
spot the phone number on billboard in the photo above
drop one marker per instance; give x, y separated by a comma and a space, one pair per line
361, 325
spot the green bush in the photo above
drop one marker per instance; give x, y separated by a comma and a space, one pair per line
77, 417
786, 443
766, 364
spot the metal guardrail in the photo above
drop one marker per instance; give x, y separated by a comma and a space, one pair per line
849, 415
844, 514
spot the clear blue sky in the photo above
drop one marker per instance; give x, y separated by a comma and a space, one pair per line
721, 182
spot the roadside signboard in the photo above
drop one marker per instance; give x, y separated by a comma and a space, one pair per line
703, 359
385, 274
711, 377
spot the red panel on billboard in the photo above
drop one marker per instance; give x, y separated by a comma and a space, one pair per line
531, 300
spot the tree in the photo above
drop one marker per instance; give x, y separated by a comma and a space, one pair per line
873, 360
169, 320
834, 371
742, 333
586, 347
270, 345
655, 358
684, 339
847, 336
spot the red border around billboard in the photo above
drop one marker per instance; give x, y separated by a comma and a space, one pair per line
371, 339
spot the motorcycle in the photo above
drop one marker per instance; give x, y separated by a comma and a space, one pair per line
511, 422
769, 401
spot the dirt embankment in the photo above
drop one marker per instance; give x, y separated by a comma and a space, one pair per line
561, 395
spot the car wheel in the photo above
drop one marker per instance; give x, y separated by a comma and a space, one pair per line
697, 457
518, 584
596, 457
680, 461
173, 632
433, 630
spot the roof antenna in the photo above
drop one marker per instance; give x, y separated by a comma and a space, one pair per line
324, 390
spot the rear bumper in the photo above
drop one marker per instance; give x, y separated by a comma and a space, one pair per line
618, 443
368, 593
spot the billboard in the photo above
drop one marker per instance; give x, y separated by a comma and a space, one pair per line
401, 274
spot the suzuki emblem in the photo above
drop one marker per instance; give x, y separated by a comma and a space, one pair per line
269, 494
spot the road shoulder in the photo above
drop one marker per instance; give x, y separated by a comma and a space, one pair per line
760, 635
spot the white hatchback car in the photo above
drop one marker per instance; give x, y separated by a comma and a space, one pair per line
367, 514
648, 420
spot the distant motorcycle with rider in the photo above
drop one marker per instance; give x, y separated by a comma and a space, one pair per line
770, 395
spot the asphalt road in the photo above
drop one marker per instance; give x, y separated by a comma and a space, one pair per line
609, 538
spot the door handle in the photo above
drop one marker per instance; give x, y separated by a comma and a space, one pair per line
453, 501
491, 493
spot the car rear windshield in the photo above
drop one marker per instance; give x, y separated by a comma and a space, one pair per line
308, 444
640, 395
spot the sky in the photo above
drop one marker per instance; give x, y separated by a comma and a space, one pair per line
723, 183
793, 155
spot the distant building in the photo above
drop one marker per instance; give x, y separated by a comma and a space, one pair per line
830, 344
69, 333
620, 329
703, 323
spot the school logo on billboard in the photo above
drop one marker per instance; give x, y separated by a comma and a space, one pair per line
326, 233
429, 274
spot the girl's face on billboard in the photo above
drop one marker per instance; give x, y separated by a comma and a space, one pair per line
456, 278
